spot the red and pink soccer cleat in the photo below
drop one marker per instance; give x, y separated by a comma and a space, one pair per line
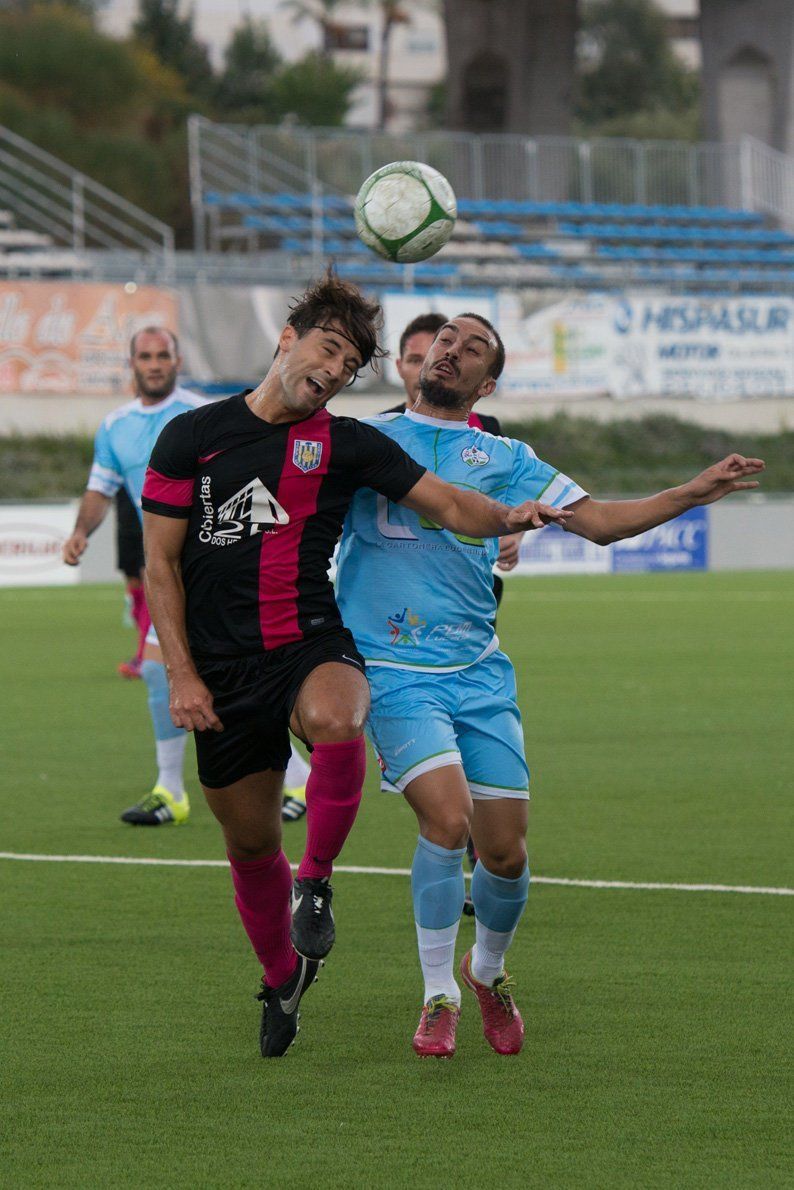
435, 1037
129, 669
501, 1020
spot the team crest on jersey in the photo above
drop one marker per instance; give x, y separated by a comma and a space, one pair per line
474, 457
307, 455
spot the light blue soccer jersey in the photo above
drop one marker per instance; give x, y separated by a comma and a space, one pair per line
125, 439
419, 597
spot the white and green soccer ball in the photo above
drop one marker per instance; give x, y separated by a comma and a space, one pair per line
405, 211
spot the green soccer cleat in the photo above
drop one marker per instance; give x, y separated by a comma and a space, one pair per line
158, 809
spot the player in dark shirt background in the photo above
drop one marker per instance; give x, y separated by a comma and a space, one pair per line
244, 501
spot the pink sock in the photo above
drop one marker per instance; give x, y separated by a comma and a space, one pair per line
140, 614
333, 794
263, 889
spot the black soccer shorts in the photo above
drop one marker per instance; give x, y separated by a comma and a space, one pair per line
253, 697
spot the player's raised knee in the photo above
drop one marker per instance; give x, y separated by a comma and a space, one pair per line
333, 724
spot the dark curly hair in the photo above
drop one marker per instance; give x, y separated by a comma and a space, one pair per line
423, 324
333, 300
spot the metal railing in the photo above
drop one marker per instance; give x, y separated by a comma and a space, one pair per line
48, 196
264, 158
767, 181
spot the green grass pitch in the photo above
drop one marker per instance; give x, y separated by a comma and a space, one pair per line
657, 718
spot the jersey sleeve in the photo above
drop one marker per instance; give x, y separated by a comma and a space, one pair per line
171, 474
383, 465
105, 475
532, 479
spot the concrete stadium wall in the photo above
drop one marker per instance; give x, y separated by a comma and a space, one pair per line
756, 533
30, 413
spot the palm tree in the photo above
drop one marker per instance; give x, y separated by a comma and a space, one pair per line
321, 12
392, 14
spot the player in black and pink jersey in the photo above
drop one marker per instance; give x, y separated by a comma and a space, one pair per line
244, 501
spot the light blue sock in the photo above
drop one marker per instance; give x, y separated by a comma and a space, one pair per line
498, 905
169, 740
437, 885
154, 675
439, 892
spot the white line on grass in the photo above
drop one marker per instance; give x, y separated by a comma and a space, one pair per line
353, 870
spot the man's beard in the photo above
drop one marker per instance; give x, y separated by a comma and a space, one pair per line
163, 388
436, 393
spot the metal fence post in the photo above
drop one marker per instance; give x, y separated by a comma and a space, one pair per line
640, 173
531, 150
585, 156
746, 187
78, 211
196, 195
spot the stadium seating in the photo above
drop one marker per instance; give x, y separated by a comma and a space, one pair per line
588, 244
30, 254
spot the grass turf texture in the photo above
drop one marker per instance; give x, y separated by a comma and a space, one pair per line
655, 715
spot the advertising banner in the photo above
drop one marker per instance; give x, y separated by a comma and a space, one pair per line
553, 551
640, 345
73, 337
681, 544
31, 539
702, 347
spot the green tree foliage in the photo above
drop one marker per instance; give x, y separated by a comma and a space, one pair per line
106, 107
117, 109
251, 62
171, 39
315, 91
631, 82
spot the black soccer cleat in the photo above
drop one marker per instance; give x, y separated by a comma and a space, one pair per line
313, 930
280, 1015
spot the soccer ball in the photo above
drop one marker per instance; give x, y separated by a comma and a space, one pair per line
405, 211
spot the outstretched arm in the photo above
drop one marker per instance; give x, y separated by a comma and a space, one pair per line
191, 701
474, 514
605, 521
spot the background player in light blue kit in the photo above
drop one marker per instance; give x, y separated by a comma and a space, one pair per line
122, 448
444, 719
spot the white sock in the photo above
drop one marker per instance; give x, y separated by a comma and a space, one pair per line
488, 955
170, 759
437, 957
297, 773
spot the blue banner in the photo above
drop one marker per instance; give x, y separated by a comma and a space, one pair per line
681, 544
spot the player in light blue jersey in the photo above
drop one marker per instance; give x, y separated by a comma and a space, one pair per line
444, 719
122, 448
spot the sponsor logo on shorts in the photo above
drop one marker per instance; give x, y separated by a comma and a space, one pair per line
474, 457
307, 455
402, 747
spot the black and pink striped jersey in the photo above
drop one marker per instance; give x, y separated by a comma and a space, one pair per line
265, 505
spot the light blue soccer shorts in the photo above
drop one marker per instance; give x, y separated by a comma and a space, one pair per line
423, 721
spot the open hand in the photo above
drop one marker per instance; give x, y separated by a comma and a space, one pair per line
724, 477
532, 515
